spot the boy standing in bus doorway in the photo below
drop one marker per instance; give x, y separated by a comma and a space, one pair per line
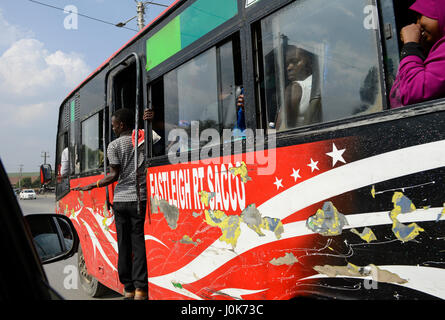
129, 224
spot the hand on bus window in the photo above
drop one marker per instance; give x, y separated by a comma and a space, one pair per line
240, 101
240, 116
86, 188
411, 33
148, 115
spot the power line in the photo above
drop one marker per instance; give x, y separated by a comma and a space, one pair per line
82, 15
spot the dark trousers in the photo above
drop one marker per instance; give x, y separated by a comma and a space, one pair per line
132, 260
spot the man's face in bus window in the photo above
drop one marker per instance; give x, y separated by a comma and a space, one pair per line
117, 126
296, 64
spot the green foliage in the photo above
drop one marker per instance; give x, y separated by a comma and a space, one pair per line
27, 183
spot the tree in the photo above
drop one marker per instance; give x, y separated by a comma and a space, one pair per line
25, 182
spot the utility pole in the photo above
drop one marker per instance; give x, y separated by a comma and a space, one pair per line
141, 12
44, 155
140, 7
20, 177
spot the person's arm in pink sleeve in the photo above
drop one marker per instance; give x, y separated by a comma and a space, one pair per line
423, 80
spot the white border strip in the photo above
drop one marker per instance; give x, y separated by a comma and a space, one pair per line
425, 279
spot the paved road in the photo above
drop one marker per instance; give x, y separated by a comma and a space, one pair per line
62, 271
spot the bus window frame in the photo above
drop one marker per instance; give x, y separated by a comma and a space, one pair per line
387, 42
98, 170
265, 9
127, 60
250, 113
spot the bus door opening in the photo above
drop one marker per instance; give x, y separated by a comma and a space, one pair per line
125, 88
123, 93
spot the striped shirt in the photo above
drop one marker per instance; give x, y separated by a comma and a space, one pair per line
121, 152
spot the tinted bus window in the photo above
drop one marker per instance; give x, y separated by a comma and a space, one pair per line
201, 91
320, 62
92, 154
191, 94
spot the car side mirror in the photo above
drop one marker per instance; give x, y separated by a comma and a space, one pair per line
45, 173
54, 236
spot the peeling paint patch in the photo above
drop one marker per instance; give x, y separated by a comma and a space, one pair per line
242, 172
373, 192
177, 285
229, 225
252, 217
288, 259
154, 204
273, 224
206, 197
352, 270
406, 232
188, 240
367, 234
403, 204
107, 214
195, 214
328, 221
439, 216
171, 212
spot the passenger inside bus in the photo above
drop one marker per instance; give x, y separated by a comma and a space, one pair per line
64, 163
421, 73
64, 160
302, 105
240, 125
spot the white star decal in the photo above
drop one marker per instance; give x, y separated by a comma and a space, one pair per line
313, 165
336, 155
295, 174
278, 183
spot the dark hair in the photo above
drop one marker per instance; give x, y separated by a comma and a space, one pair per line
126, 116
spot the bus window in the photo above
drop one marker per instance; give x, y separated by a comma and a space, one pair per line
320, 63
191, 94
201, 91
63, 159
73, 148
124, 88
92, 153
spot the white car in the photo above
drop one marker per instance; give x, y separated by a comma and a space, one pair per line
28, 194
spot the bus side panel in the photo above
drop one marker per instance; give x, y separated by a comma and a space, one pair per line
352, 215
96, 229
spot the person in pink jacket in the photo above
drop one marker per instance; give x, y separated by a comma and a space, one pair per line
421, 74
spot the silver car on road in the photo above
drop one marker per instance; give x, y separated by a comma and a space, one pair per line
28, 194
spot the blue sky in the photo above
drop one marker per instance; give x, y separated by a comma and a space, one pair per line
41, 62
